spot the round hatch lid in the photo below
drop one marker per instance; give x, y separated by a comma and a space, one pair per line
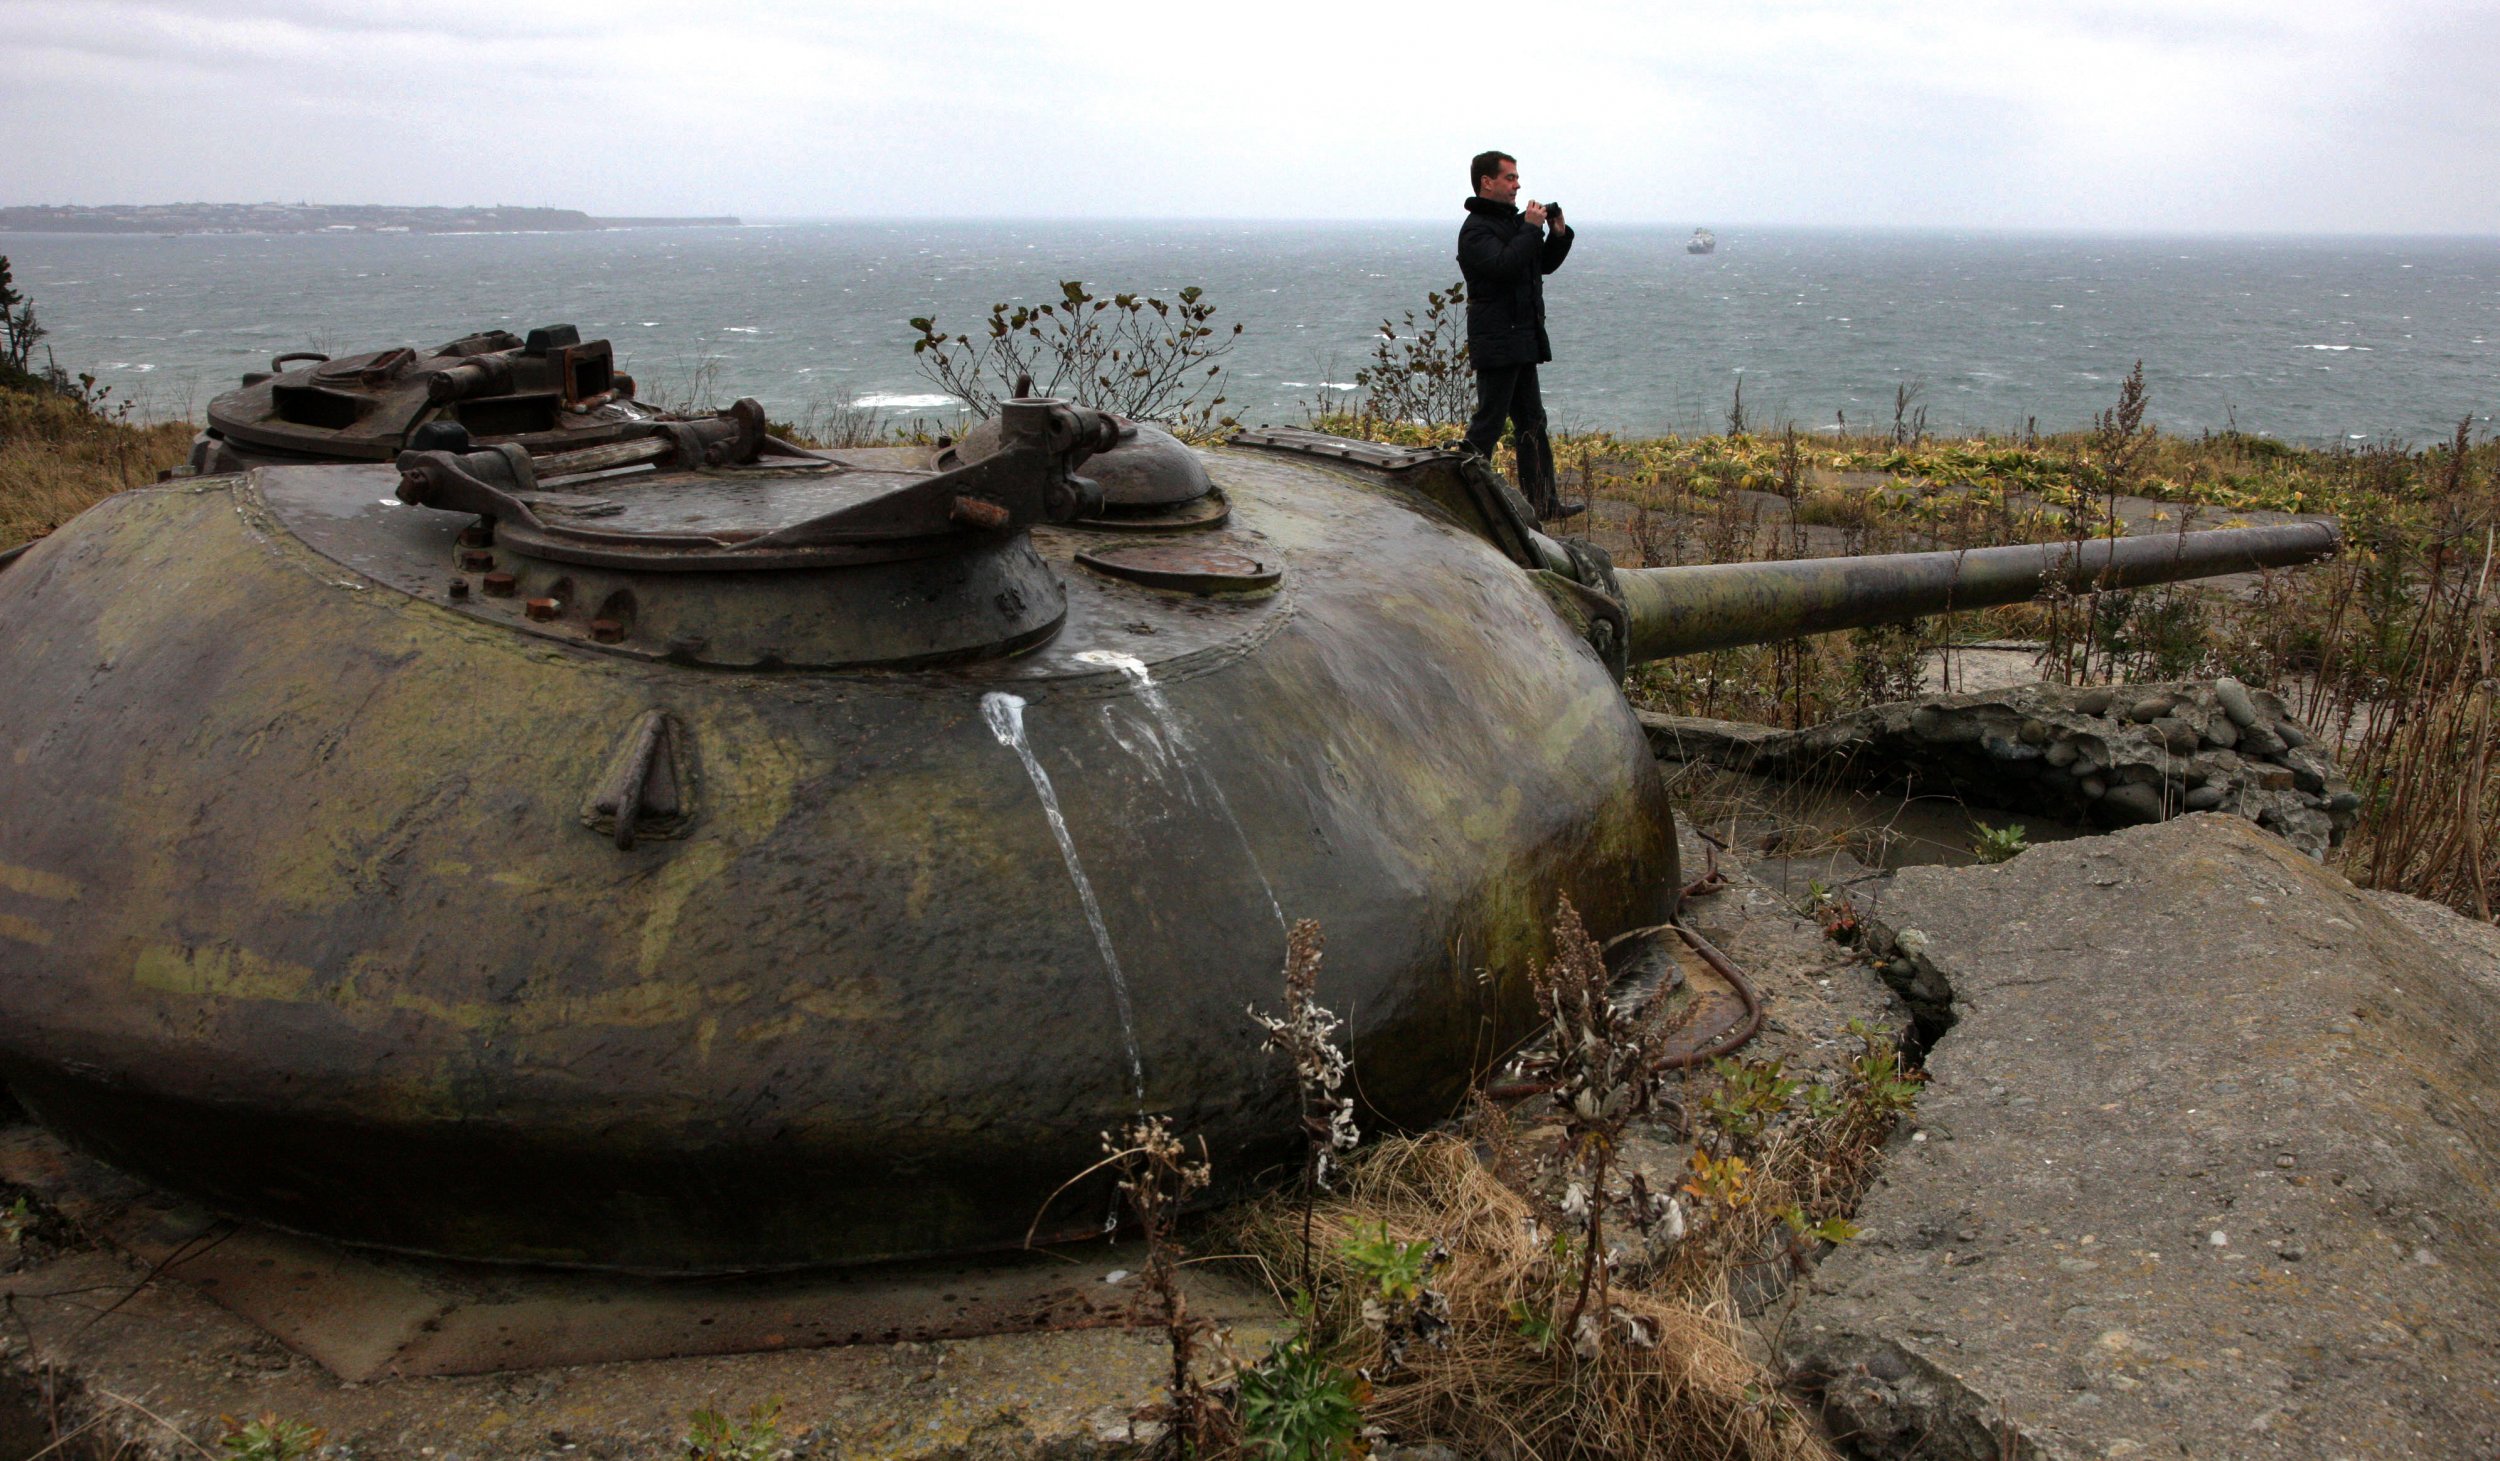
1147, 469
1205, 567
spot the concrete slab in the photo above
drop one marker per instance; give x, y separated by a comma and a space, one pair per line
2207, 1167
154, 1366
364, 1315
148, 1321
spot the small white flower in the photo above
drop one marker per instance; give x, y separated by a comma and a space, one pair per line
1575, 1202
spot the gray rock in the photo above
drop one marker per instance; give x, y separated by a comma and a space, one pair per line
2133, 801
1728, 743
2111, 979
2232, 696
2031, 749
2094, 702
2293, 736
2149, 709
2309, 769
2203, 799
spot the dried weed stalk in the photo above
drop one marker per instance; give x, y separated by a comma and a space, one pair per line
1306, 1034
1603, 1066
1157, 1178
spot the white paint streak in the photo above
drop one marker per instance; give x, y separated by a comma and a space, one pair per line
1005, 714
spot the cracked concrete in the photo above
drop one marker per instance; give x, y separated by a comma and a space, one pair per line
2206, 1167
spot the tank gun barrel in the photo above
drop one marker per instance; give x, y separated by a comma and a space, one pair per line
1673, 611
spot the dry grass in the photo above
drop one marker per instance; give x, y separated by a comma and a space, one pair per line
58, 458
2388, 649
1489, 1389
1774, 1168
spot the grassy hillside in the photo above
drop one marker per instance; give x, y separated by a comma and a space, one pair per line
59, 455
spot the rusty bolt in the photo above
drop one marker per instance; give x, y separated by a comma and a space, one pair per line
542, 608
979, 513
477, 560
459, 588
477, 535
607, 631
501, 585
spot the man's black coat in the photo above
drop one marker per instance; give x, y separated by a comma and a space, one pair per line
1504, 262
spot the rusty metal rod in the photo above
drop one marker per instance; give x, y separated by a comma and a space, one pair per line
604, 458
1694, 610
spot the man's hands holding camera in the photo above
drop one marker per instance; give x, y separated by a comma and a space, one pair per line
1544, 215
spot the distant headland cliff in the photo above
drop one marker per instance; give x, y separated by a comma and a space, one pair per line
320, 218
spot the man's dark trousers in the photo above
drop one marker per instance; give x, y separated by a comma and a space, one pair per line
1504, 260
1510, 391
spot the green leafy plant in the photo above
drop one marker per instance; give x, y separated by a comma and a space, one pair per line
16, 1221
1999, 844
1533, 1324
1396, 1270
1135, 354
1749, 1096
756, 1436
1881, 1087
269, 1437
1298, 1405
1422, 377
1399, 1302
1828, 1230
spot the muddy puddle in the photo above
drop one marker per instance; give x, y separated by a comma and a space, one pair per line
1793, 836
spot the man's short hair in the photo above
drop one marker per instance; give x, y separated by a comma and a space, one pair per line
1486, 165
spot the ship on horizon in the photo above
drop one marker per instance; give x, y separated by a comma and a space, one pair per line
1703, 241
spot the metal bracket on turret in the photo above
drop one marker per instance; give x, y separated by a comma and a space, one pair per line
1597, 615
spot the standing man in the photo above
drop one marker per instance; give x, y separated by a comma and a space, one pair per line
1504, 253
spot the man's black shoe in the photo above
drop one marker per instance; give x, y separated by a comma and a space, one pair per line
1561, 510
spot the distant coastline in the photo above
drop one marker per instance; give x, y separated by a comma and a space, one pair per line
164, 218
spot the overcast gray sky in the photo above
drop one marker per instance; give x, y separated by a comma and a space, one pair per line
2261, 115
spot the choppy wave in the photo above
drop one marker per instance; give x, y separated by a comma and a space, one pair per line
1644, 336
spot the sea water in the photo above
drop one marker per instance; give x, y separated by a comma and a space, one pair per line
2314, 339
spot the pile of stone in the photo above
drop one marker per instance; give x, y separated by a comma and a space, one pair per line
2113, 756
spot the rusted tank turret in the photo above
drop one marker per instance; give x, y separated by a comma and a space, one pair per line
551, 391
726, 864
